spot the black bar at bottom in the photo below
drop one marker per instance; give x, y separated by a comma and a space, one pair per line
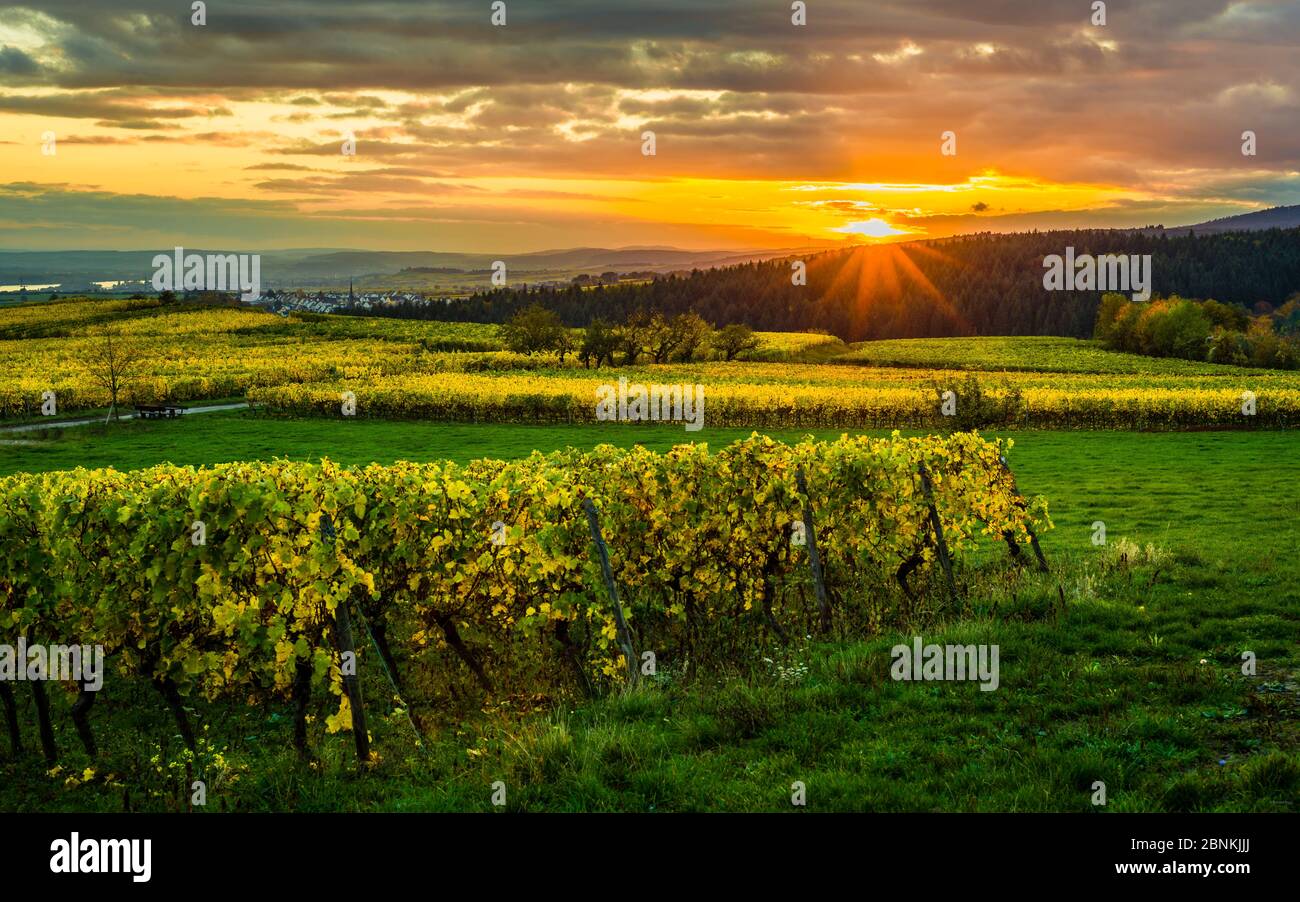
211, 852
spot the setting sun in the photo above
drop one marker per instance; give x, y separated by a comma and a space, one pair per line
870, 228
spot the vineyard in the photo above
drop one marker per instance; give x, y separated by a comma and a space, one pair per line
302, 364
234, 596
180, 353
1026, 353
189, 354
812, 396
236, 581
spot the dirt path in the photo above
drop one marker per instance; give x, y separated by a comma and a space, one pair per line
64, 424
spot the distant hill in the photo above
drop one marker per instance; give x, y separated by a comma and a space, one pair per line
1273, 218
314, 267
320, 267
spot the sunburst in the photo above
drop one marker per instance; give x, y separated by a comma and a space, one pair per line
884, 272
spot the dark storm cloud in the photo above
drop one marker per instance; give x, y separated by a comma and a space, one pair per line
344, 45
14, 62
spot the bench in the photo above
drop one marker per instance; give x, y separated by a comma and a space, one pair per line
157, 411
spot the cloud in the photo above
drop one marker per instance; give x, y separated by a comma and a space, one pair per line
1152, 104
14, 62
137, 124
105, 106
281, 166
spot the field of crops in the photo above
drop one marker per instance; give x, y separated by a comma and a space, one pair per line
303, 365
811, 395
1043, 354
186, 353
227, 582
189, 354
777, 346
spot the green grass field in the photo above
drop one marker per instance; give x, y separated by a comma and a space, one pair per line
1136, 681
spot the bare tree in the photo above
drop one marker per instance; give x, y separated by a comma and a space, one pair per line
110, 363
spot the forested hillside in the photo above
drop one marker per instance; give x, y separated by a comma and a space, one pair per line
975, 285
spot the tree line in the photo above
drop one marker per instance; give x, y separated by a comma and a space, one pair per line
984, 284
656, 337
1201, 330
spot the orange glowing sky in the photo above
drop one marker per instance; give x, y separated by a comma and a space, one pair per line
474, 137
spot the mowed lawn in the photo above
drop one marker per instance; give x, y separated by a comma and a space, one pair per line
1135, 682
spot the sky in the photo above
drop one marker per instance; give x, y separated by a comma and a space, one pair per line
125, 125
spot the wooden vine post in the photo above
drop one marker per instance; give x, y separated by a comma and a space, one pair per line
941, 546
11, 718
1033, 536
624, 635
44, 726
301, 701
347, 647
389, 665
814, 555
81, 719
